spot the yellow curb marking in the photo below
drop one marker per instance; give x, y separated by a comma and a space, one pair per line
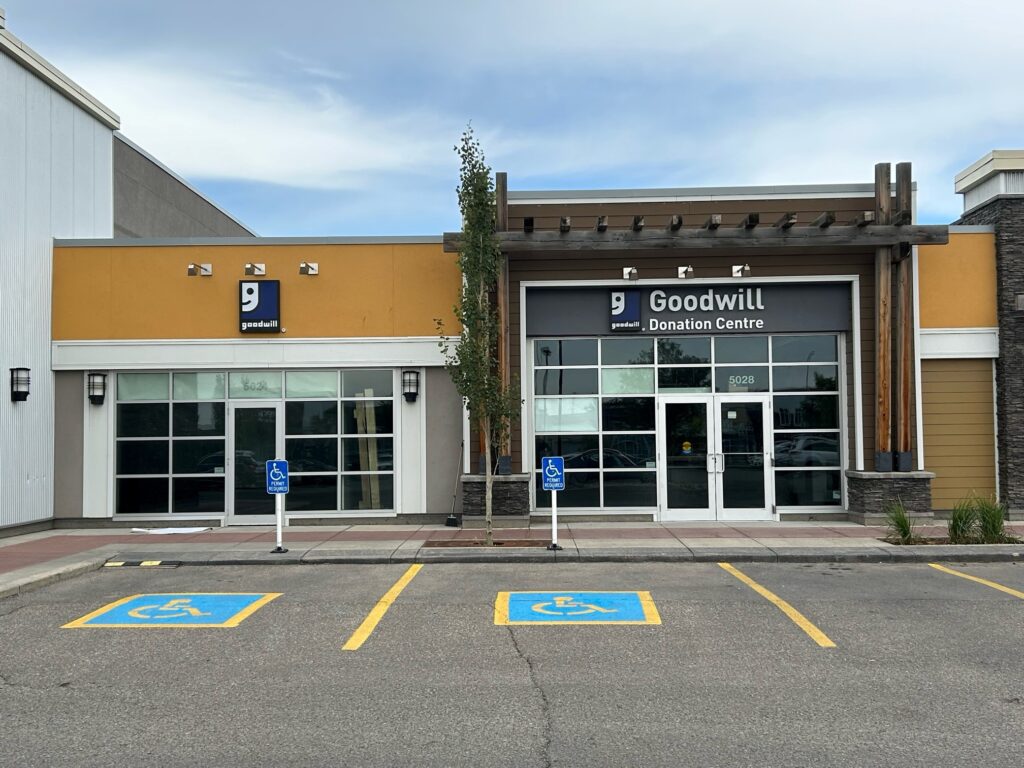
373, 618
798, 618
986, 582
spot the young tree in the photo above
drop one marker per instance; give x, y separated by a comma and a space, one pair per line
472, 361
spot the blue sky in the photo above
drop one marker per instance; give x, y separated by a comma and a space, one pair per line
339, 118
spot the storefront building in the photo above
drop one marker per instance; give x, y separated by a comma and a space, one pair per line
183, 367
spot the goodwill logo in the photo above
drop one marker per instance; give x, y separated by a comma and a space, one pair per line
625, 310
259, 306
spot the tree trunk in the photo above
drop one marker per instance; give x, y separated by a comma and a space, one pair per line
489, 482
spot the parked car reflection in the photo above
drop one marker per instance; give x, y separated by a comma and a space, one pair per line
807, 451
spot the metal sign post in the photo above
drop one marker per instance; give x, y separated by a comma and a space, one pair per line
277, 484
553, 474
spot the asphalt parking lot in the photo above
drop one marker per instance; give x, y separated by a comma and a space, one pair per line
924, 668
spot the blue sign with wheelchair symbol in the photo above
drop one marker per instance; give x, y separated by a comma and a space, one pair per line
552, 470
186, 609
277, 477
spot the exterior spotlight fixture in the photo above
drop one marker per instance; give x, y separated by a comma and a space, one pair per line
202, 270
741, 270
19, 384
410, 385
97, 388
256, 269
685, 272
309, 268
629, 273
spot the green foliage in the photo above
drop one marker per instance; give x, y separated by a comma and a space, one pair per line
902, 528
963, 523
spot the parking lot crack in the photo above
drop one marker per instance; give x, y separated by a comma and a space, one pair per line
545, 705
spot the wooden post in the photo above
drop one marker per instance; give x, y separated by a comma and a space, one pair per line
904, 326
504, 351
883, 326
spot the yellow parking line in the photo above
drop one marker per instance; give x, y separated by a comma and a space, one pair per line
798, 618
986, 582
373, 618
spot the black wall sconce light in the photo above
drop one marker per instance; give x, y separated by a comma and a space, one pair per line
97, 388
19, 384
410, 385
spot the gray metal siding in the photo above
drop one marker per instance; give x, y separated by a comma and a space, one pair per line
55, 180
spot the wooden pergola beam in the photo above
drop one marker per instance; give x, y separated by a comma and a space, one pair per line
565, 224
638, 223
714, 221
825, 220
602, 224
675, 223
862, 237
863, 219
750, 221
786, 221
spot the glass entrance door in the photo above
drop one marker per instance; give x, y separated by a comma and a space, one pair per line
714, 458
255, 438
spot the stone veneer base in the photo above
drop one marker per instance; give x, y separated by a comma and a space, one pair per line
869, 493
510, 495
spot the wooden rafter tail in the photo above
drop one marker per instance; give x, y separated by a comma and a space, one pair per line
675, 223
824, 220
714, 221
528, 224
863, 218
565, 223
786, 221
638, 223
602, 224
750, 221
902, 218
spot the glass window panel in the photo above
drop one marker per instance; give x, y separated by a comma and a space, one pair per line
684, 379
684, 350
570, 414
804, 349
367, 492
744, 378
314, 418
367, 383
806, 411
142, 457
565, 352
198, 386
311, 384
633, 351
198, 419
142, 386
802, 489
254, 384
142, 420
627, 414
369, 417
806, 378
628, 452
742, 428
582, 489
800, 449
312, 494
565, 381
311, 454
741, 349
630, 489
367, 454
579, 451
627, 381
198, 494
743, 481
142, 495
194, 457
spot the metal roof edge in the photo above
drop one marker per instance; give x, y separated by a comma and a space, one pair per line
49, 74
255, 242
684, 193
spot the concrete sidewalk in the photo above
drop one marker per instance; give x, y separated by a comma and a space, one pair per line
40, 558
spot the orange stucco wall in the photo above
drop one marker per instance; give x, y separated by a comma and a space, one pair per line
144, 292
958, 282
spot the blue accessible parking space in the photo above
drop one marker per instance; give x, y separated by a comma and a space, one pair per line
575, 608
186, 609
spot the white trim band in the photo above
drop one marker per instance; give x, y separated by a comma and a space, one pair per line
957, 343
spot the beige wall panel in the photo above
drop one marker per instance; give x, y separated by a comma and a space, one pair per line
959, 428
958, 282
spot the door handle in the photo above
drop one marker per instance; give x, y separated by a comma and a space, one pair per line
720, 466
712, 463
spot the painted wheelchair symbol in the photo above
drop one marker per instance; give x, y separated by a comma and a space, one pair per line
172, 609
550, 470
276, 475
565, 605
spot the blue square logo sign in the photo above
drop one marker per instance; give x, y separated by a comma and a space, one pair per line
186, 609
625, 310
259, 306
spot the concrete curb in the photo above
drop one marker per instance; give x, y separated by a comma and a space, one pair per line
50, 576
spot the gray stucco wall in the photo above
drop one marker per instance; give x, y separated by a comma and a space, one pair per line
444, 442
150, 202
69, 399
